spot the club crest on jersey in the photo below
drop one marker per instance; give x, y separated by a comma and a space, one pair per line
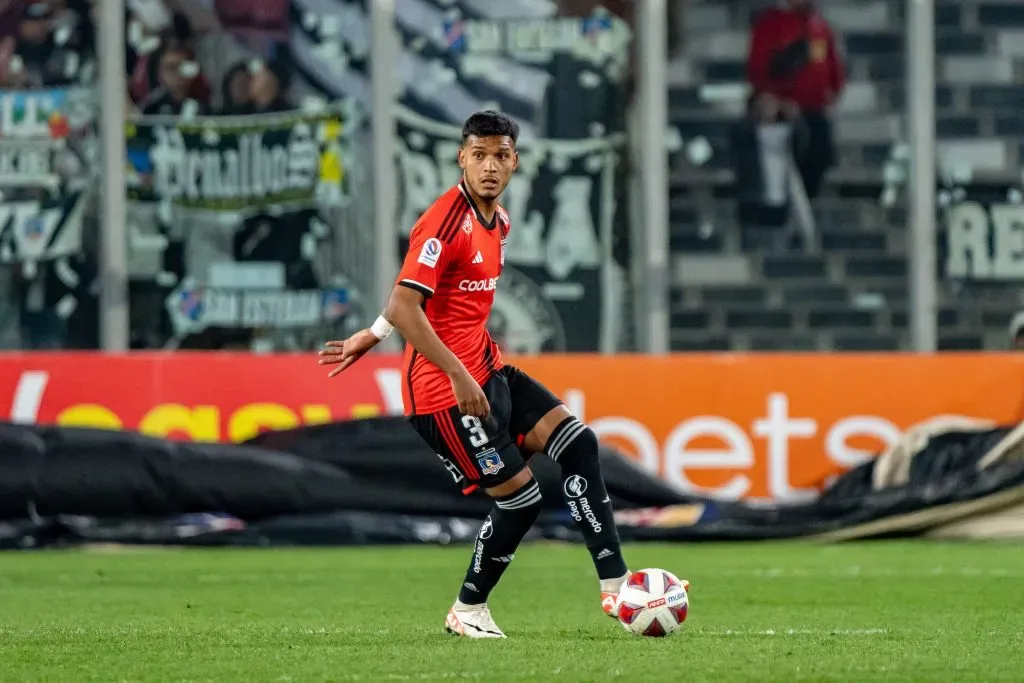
489, 461
430, 252
467, 224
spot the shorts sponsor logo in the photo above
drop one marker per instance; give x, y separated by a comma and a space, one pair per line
430, 252
575, 486
486, 285
490, 462
487, 529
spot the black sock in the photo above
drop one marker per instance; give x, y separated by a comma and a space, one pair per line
497, 541
574, 447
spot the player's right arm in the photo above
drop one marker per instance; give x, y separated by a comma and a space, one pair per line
431, 249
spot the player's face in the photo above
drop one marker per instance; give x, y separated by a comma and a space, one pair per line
488, 163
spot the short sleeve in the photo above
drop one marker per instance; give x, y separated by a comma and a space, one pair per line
428, 256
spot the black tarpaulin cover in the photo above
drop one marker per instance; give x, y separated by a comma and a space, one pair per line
373, 481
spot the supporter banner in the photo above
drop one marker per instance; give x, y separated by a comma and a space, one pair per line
214, 199
733, 427
235, 163
32, 231
43, 138
193, 309
45, 115
982, 224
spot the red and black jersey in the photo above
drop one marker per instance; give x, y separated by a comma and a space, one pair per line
454, 260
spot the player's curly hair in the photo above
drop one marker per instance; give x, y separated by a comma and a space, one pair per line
485, 124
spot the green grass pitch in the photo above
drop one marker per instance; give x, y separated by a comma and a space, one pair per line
898, 611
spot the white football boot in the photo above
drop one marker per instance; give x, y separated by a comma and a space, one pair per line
610, 594
471, 621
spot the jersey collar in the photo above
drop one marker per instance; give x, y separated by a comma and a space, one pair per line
479, 216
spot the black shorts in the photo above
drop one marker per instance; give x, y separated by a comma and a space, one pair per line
485, 453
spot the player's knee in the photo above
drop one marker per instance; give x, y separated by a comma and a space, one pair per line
524, 501
572, 442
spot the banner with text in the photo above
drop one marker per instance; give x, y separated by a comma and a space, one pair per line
225, 216
46, 143
772, 427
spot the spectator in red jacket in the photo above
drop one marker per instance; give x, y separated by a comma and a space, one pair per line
793, 55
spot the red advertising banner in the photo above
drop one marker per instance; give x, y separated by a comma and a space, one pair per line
197, 396
732, 426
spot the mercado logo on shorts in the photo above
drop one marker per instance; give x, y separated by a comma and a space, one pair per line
489, 461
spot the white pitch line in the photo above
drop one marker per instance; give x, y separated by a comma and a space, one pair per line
861, 572
791, 632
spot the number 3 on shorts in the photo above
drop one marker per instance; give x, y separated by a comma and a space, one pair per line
477, 435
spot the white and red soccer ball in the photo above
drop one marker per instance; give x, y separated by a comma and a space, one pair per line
653, 603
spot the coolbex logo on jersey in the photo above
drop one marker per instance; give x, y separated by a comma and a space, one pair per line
430, 252
487, 285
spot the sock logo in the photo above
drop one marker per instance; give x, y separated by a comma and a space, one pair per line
581, 509
604, 553
487, 529
478, 557
575, 486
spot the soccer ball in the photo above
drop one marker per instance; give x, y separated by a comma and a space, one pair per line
653, 603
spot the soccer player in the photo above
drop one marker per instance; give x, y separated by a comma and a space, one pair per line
472, 409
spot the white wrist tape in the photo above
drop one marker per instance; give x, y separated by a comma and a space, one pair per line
381, 328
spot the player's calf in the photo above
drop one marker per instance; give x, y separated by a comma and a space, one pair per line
574, 447
498, 540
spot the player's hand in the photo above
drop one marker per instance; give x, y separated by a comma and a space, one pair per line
471, 398
345, 353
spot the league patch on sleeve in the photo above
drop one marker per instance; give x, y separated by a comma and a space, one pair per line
430, 252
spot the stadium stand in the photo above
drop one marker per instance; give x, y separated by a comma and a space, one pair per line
733, 291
